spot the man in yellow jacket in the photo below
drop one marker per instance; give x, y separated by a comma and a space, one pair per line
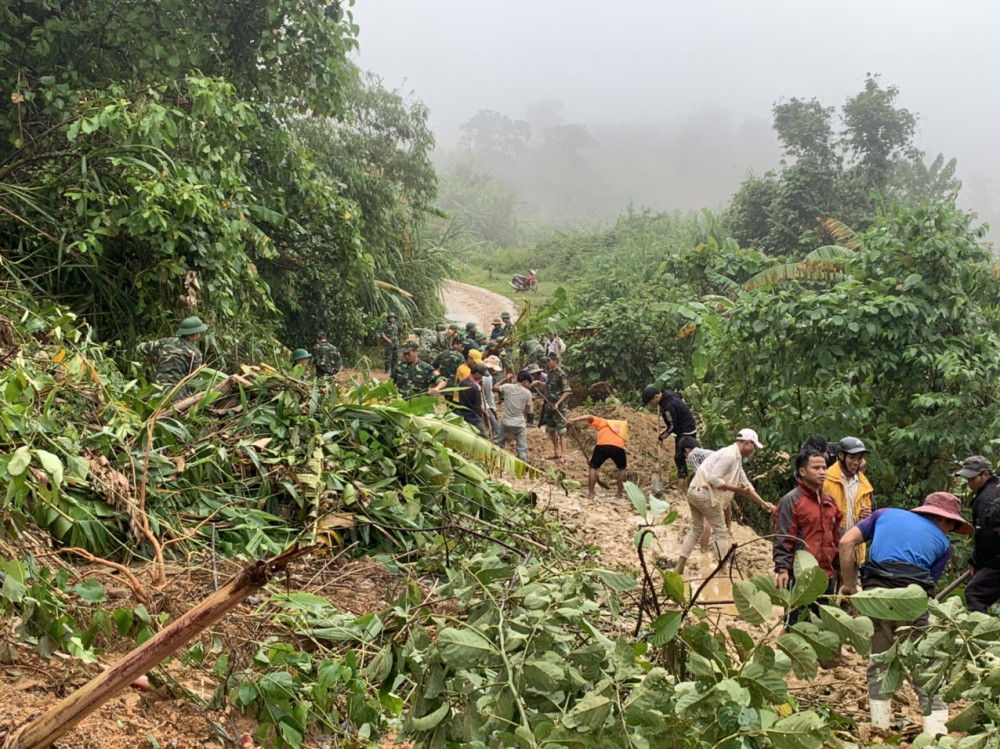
849, 487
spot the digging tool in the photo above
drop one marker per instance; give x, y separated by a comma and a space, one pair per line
658, 485
952, 585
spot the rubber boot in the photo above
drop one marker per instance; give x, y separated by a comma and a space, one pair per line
881, 713
934, 724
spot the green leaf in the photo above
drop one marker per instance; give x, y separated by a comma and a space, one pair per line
809, 585
754, 605
804, 730
52, 465
635, 494
589, 713
824, 643
673, 586
90, 591
617, 581
19, 461
542, 675
803, 561
800, 653
896, 604
855, 631
463, 648
665, 628
430, 720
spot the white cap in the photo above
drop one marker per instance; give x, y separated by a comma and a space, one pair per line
749, 435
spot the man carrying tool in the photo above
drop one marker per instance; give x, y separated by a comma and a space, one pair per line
610, 446
984, 588
711, 492
554, 410
907, 547
679, 421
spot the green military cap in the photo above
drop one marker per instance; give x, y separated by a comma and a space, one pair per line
470, 326
453, 326
191, 325
410, 346
439, 327
299, 354
391, 316
505, 315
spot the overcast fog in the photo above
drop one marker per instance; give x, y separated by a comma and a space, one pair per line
693, 65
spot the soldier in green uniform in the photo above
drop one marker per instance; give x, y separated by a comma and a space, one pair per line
300, 355
508, 326
176, 358
448, 361
390, 341
532, 352
442, 337
415, 377
326, 357
473, 334
556, 393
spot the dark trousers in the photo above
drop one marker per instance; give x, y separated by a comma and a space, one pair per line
679, 459
983, 590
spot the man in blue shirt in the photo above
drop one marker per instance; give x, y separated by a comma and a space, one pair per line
907, 547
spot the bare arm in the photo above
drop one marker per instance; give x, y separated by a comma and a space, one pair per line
848, 560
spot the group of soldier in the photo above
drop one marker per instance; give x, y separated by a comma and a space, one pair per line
466, 360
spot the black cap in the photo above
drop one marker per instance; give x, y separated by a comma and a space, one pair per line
648, 393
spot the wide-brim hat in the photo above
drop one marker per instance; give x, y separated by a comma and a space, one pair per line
493, 362
497, 321
191, 325
945, 505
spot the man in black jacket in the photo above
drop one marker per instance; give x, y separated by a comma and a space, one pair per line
984, 588
679, 421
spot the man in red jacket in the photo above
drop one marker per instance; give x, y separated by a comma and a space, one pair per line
807, 519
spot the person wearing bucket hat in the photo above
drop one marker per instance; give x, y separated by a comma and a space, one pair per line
497, 332
389, 336
176, 358
907, 547
983, 589
300, 355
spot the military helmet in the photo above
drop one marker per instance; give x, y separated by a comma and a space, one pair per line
300, 354
391, 316
505, 315
470, 326
409, 346
851, 446
191, 325
440, 327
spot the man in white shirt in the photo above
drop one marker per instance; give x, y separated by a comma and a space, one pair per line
555, 345
711, 490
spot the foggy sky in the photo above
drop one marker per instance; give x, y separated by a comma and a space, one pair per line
638, 62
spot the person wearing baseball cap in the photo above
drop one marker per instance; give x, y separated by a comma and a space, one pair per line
983, 589
711, 492
907, 547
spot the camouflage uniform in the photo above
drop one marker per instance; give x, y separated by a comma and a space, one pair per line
327, 359
448, 362
391, 331
533, 352
176, 358
414, 379
556, 386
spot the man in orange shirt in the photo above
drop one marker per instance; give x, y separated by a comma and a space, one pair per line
610, 446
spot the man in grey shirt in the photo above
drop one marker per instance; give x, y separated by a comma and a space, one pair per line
516, 402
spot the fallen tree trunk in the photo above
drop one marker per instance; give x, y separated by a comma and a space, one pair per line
60, 718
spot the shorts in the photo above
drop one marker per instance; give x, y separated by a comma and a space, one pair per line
602, 453
554, 420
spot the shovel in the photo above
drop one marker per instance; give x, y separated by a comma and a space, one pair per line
658, 485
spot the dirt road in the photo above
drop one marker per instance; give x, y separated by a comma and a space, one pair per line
465, 303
